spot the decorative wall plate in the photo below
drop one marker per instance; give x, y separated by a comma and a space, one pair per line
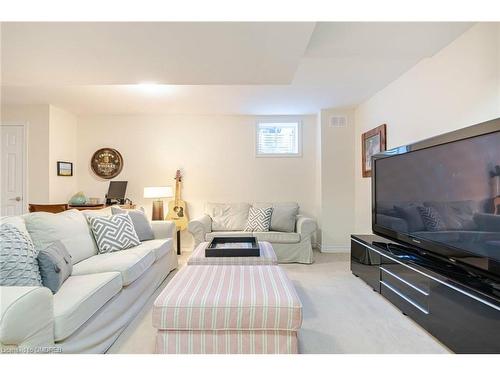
106, 163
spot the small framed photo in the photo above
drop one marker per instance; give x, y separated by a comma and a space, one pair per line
64, 168
373, 142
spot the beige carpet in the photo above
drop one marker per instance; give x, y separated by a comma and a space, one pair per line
341, 315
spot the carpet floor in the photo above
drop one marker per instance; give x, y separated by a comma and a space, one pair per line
341, 315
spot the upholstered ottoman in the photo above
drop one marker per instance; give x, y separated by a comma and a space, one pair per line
267, 256
227, 309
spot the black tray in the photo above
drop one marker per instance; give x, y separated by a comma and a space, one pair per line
215, 249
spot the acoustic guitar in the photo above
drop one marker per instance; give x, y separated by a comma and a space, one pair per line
177, 207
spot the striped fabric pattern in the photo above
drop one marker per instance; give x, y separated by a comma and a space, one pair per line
267, 257
228, 298
226, 342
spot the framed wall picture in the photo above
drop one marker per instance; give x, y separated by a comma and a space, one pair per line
373, 142
64, 168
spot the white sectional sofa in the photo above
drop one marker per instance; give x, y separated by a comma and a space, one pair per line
100, 298
290, 233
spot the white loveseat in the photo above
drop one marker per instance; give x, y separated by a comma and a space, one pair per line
100, 298
291, 245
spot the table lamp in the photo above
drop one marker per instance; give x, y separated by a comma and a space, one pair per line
157, 193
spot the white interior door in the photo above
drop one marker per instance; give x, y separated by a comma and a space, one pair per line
12, 170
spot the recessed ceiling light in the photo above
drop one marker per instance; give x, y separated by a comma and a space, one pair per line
153, 88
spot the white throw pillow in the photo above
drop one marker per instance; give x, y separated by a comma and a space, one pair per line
259, 219
69, 227
16, 221
228, 216
113, 233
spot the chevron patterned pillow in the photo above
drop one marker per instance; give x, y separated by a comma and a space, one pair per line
113, 233
259, 219
431, 218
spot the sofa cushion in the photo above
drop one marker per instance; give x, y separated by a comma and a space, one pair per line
458, 215
55, 265
18, 258
273, 237
141, 223
131, 263
386, 208
228, 216
393, 222
113, 233
410, 214
160, 247
101, 212
79, 298
277, 237
69, 227
284, 215
259, 219
16, 221
211, 235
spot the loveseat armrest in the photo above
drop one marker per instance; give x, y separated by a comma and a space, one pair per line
27, 317
487, 222
199, 228
163, 229
305, 226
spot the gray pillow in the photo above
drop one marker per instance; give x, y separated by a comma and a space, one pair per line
284, 217
141, 223
55, 265
19, 266
412, 217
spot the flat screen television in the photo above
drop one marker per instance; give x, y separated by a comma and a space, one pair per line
442, 195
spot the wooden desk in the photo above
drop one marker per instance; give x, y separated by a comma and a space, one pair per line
101, 206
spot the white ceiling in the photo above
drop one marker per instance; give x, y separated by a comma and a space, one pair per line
189, 53
219, 68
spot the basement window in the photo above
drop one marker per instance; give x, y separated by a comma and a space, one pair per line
278, 139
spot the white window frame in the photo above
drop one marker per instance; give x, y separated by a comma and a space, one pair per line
298, 154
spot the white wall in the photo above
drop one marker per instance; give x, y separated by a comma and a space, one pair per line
51, 137
36, 119
336, 181
216, 154
457, 87
62, 147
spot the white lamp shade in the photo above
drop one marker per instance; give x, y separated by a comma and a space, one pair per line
158, 192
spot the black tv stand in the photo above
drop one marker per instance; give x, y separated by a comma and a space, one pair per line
460, 308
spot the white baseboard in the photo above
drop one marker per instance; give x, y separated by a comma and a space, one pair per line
335, 248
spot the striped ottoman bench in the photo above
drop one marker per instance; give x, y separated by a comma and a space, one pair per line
267, 257
226, 309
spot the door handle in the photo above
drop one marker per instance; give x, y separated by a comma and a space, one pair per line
17, 199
